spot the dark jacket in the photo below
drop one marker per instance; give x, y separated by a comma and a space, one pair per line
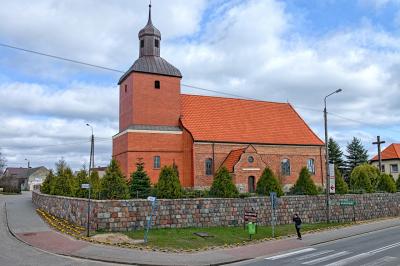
297, 221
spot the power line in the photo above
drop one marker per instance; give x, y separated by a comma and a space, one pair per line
184, 85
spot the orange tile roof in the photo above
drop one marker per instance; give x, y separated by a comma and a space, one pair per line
244, 121
391, 152
232, 159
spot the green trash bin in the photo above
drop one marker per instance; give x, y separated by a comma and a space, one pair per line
251, 227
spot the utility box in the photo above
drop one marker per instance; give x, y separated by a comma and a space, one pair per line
251, 227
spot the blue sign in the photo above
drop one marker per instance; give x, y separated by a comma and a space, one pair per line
274, 201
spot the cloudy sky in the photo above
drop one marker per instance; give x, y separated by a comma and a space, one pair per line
285, 51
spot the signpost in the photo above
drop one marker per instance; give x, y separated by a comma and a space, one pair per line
153, 201
87, 186
348, 202
273, 198
332, 181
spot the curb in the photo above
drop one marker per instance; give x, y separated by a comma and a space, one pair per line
103, 260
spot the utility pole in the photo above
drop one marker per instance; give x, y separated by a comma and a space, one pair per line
379, 142
91, 159
328, 211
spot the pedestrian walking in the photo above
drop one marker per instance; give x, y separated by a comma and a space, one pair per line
297, 224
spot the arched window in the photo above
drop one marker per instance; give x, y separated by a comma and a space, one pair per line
251, 184
285, 167
311, 166
156, 43
208, 166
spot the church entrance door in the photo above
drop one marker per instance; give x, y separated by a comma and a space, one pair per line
251, 188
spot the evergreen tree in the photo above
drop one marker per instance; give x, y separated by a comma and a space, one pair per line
304, 184
386, 184
335, 154
223, 185
81, 178
268, 183
63, 183
140, 185
47, 184
113, 184
341, 186
168, 186
95, 184
356, 154
175, 167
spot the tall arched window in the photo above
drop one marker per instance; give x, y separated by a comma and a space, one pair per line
208, 166
311, 166
285, 167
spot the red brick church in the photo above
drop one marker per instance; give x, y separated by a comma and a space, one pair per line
202, 133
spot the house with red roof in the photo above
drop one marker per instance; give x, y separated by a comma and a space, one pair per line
200, 134
390, 157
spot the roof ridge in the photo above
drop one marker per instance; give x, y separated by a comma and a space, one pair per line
232, 98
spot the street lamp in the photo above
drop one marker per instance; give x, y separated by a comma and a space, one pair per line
327, 155
91, 165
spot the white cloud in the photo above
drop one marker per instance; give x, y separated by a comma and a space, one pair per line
243, 47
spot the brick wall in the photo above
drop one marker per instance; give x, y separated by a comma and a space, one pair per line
271, 155
121, 215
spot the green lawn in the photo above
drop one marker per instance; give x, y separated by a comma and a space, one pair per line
185, 239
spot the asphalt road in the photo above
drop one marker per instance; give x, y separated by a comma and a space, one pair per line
15, 253
372, 249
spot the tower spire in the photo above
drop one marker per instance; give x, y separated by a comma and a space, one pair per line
149, 22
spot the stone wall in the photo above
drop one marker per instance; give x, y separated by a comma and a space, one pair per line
121, 215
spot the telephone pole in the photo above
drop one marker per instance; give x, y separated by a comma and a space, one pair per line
379, 142
91, 159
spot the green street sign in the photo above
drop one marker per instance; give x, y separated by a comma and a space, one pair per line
347, 202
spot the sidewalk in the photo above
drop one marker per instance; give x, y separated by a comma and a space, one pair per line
26, 225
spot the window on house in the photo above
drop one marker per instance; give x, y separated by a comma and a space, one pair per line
156, 162
157, 84
250, 159
394, 168
126, 88
157, 43
285, 167
311, 166
209, 162
141, 43
383, 168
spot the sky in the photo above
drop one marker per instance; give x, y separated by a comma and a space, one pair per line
295, 51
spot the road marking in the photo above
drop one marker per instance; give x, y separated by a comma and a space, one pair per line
290, 254
333, 256
312, 255
382, 261
363, 255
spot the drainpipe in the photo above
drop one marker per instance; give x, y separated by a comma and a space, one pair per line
213, 158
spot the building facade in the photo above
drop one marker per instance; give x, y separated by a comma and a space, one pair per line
160, 126
390, 160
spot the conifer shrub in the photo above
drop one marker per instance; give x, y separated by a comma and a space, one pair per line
341, 185
63, 183
386, 184
95, 184
223, 185
364, 178
168, 186
304, 184
268, 183
140, 185
47, 184
113, 184
81, 178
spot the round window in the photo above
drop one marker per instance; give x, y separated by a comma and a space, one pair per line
250, 159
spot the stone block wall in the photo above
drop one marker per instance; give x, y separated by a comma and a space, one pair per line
123, 215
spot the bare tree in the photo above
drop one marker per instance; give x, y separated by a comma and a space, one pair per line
2, 163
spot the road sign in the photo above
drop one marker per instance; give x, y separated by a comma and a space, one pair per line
332, 179
151, 199
347, 202
272, 196
85, 186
